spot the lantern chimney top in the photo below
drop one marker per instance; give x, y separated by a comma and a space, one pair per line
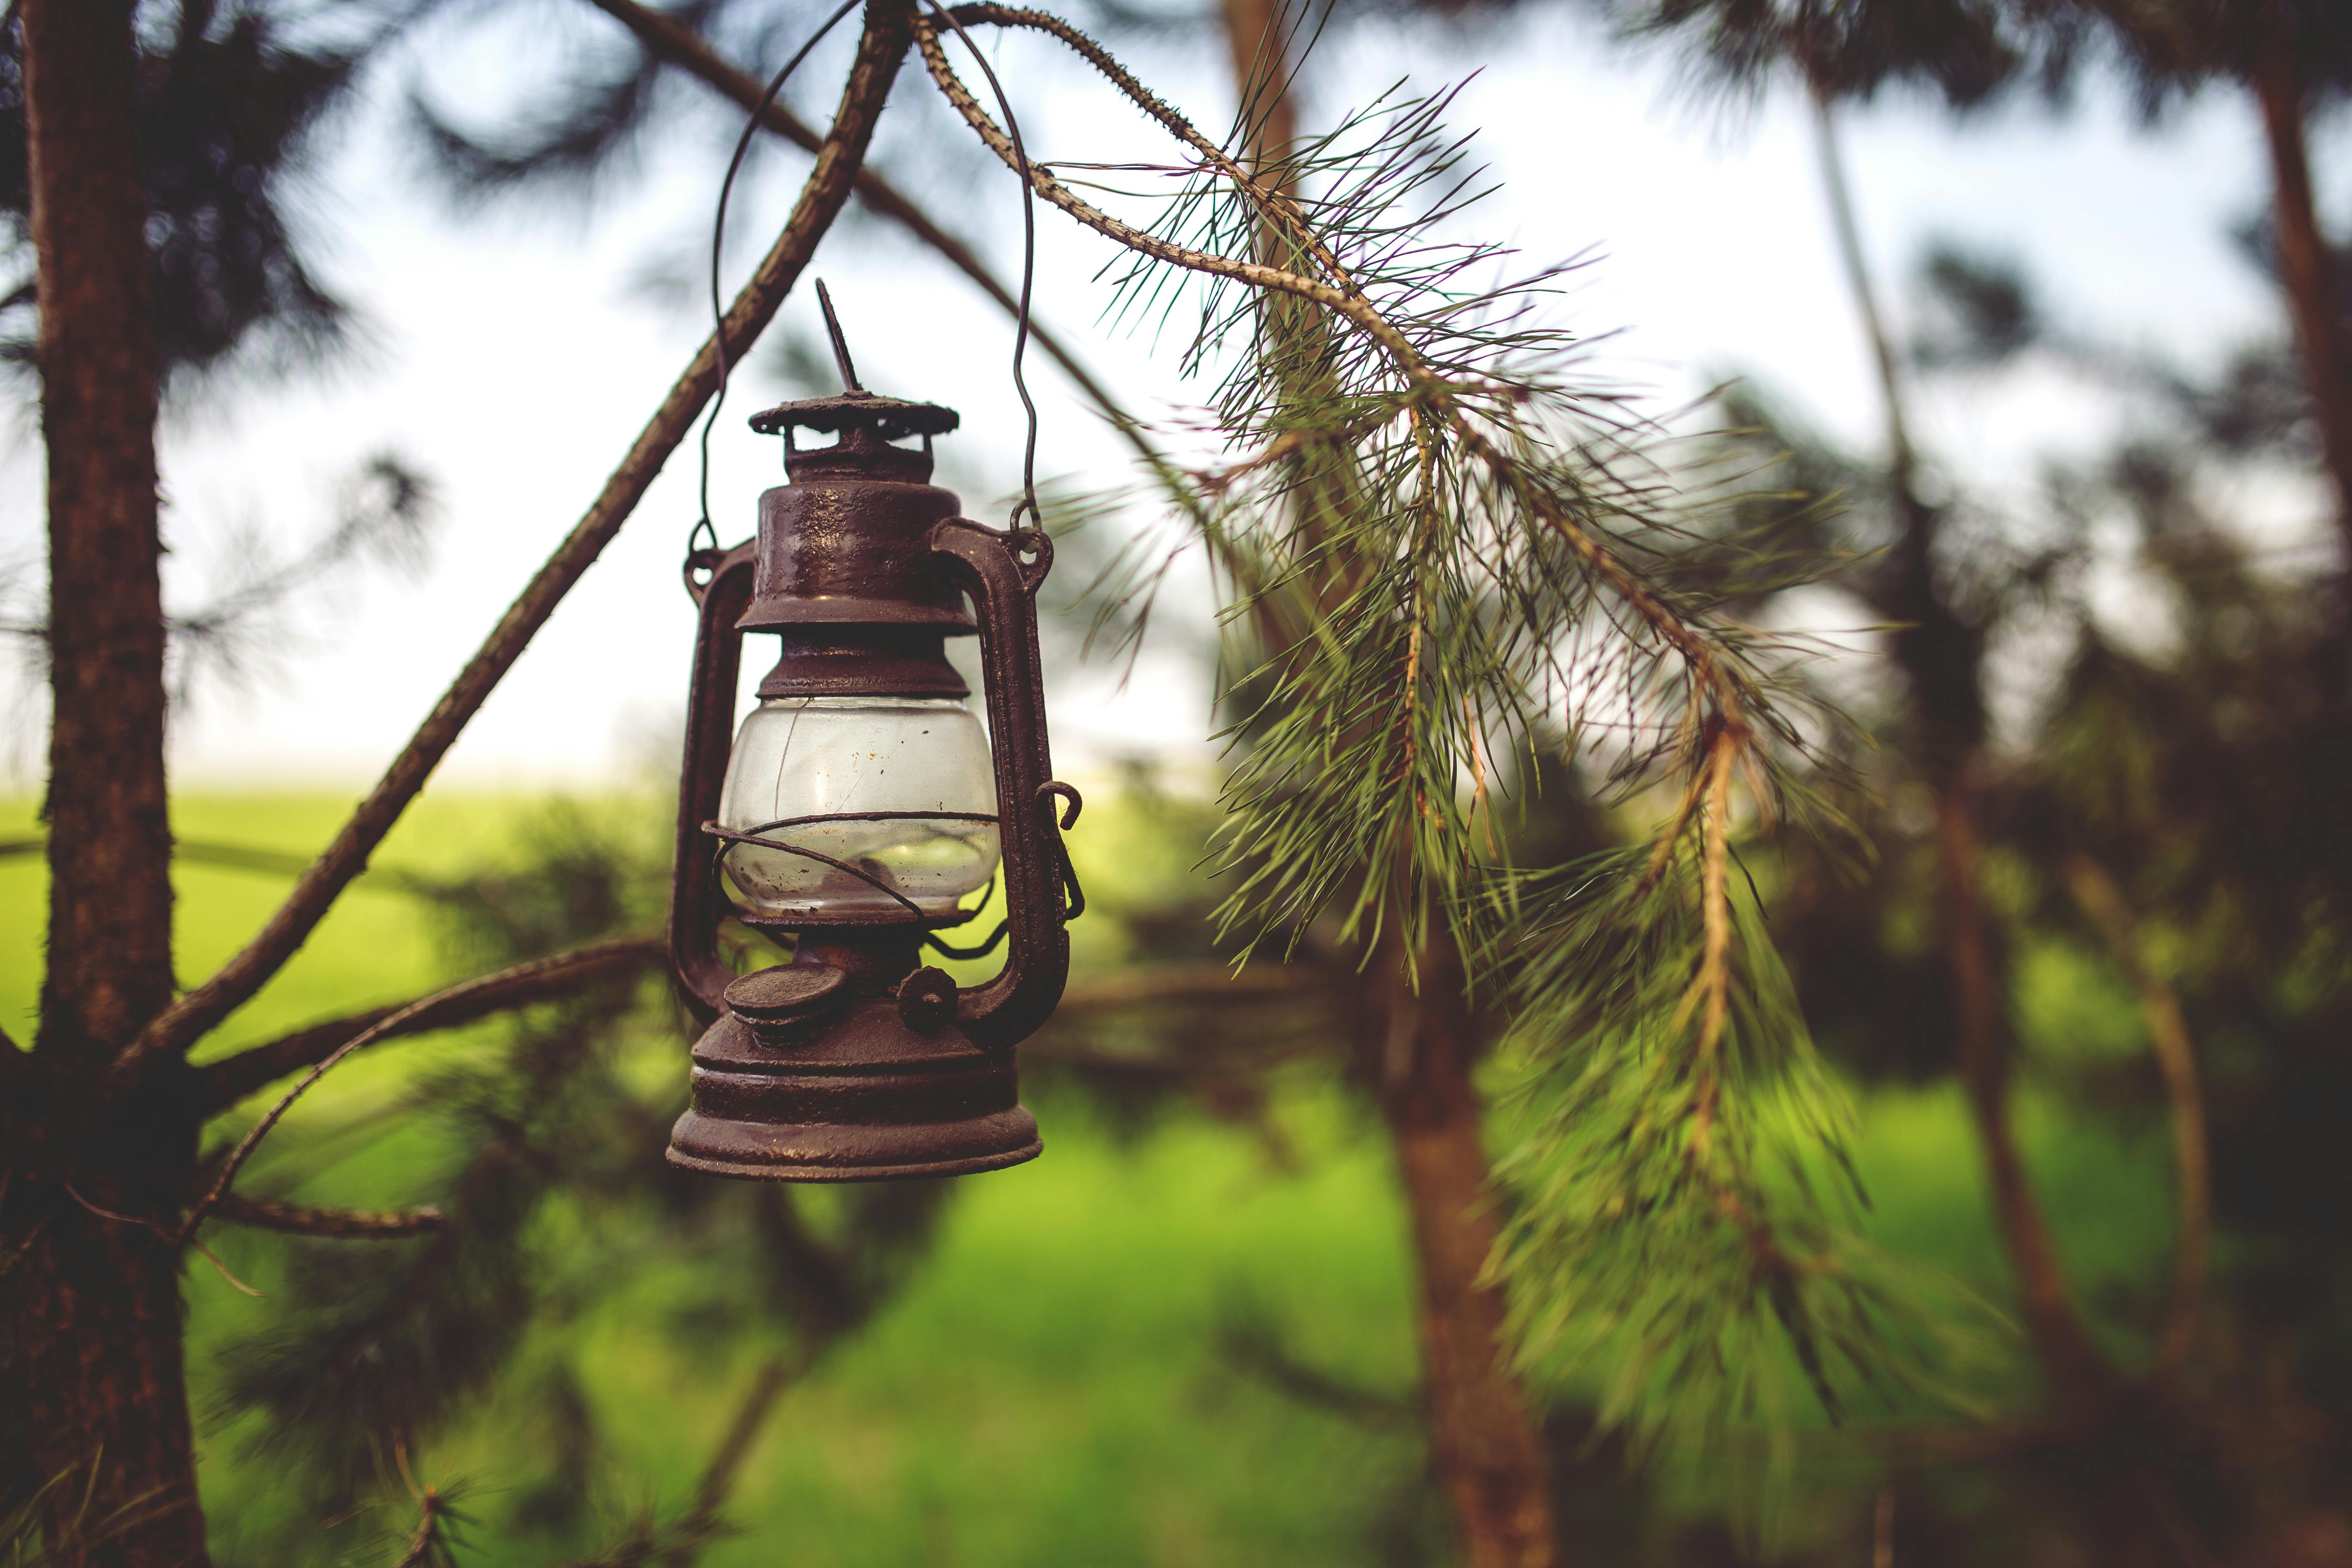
867, 425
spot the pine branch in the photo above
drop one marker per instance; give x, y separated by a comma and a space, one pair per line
2079, 1373
718, 1477
504, 983
880, 49
220, 1085
428, 1544
1433, 535
1256, 274
292, 1220
2176, 1054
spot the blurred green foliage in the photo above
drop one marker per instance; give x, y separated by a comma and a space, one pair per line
1066, 1377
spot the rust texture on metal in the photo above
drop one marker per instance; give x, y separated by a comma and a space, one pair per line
852, 1063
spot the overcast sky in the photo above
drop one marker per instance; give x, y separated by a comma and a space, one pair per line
516, 356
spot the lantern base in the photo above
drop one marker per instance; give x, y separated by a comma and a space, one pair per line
819, 1155
856, 1095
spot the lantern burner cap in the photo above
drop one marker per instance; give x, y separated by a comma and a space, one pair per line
866, 423
889, 418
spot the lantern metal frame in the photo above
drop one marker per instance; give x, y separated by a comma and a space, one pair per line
855, 1061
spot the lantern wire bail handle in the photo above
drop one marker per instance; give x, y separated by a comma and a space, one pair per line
702, 550
1026, 540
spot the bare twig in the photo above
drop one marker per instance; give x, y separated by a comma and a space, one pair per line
504, 982
222, 1084
880, 49
291, 1219
2176, 1058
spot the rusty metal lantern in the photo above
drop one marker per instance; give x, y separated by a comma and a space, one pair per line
857, 808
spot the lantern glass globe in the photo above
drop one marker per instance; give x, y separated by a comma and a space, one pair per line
920, 767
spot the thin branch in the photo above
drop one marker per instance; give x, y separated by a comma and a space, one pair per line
1256, 1351
353, 1225
2176, 1057
1331, 297
668, 38
1900, 456
221, 1084
768, 1386
175, 1238
1273, 196
2078, 1374
504, 982
880, 49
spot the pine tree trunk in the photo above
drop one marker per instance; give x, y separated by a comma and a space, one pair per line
96, 1310
2082, 1385
1259, 42
1484, 1447
110, 841
1942, 659
2307, 264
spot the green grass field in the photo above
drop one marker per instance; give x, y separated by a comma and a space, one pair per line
1049, 1388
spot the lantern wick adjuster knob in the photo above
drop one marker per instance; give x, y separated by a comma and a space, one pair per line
927, 1000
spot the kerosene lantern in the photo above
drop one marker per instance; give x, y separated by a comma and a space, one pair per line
860, 803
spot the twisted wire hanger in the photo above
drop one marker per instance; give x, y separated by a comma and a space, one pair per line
1028, 501
703, 538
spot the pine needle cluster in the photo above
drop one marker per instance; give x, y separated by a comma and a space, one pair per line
1447, 556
